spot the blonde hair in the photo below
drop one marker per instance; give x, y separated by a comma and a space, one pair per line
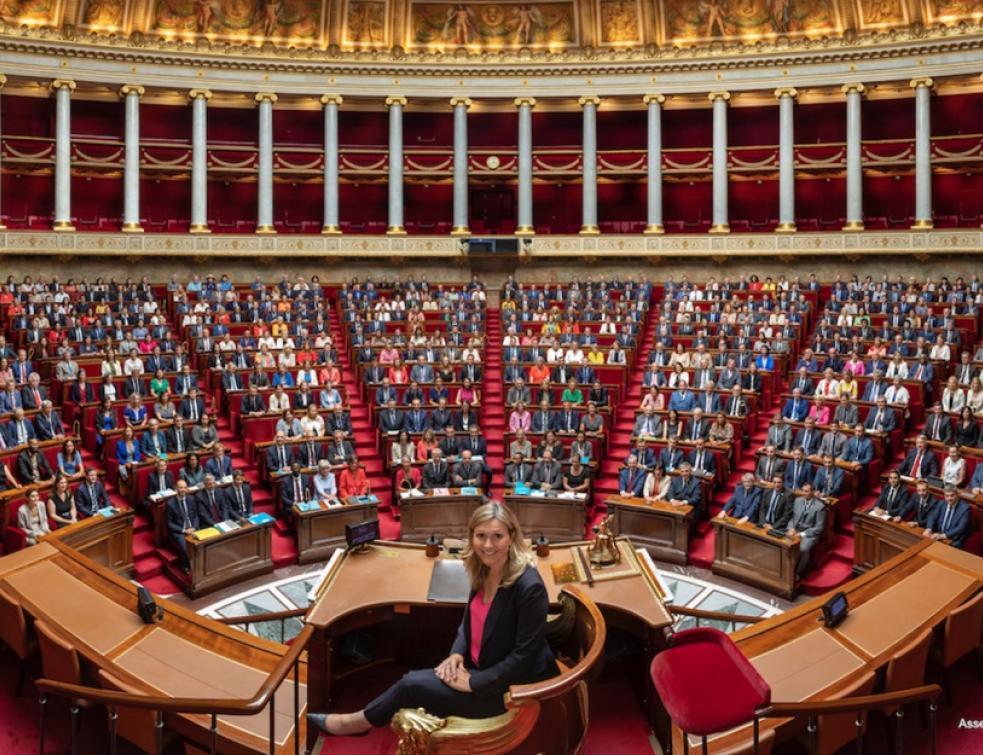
520, 553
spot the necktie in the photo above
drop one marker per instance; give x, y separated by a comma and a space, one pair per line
891, 496
521, 472
179, 440
631, 481
948, 516
194, 411
211, 503
298, 490
795, 476
771, 507
92, 496
21, 433
242, 506
283, 457
916, 470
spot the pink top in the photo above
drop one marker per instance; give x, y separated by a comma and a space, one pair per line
479, 612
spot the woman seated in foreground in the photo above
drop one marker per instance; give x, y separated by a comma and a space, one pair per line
473, 679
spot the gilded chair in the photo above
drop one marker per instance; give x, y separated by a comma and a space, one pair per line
548, 717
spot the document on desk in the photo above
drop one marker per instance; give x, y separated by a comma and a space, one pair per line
449, 582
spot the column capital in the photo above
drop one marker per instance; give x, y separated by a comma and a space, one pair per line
714, 96
786, 92
924, 81
396, 100
853, 87
3, 80
465, 102
332, 99
589, 99
57, 84
657, 97
520, 101
128, 89
203, 94
266, 97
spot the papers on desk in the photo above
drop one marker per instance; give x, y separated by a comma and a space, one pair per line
469, 490
537, 494
308, 506
365, 499
161, 494
205, 534
411, 493
441, 491
572, 495
261, 518
227, 480
227, 526
884, 516
106, 511
521, 489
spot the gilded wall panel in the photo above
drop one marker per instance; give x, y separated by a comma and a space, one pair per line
493, 25
687, 22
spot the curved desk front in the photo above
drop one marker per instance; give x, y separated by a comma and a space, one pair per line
182, 655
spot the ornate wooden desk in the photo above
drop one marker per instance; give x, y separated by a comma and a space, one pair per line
440, 515
226, 559
320, 531
876, 540
559, 519
107, 540
749, 554
659, 526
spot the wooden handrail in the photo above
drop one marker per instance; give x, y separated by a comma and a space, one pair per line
699, 613
223, 706
290, 613
850, 704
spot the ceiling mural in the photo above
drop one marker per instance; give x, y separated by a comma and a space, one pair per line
486, 25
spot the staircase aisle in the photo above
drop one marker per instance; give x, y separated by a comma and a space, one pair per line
493, 402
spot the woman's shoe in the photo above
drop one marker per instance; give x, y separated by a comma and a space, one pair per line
320, 721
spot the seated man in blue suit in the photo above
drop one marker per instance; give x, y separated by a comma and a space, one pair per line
632, 479
796, 408
682, 399
684, 489
828, 480
798, 472
702, 460
950, 520
219, 464
859, 449
182, 519
743, 504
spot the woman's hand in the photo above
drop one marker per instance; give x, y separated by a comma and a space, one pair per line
450, 668
462, 682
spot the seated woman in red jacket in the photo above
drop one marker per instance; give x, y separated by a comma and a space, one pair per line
486, 658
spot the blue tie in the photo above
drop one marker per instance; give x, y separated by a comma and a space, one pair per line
948, 516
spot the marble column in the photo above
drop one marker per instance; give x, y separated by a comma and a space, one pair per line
923, 153
459, 220
199, 160
131, 94
332, 224
264, 189
854, 165
396, 105
720, 222
3, 80
653, 219
525, 226
589, 226
63, 154
786, 159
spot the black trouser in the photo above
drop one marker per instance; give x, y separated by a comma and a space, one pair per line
422, 689
181, 548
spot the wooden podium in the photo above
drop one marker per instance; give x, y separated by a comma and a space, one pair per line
226, 559
320, 531
107, 540
749, 554
659, 526
876, 540
440, 515
558, 519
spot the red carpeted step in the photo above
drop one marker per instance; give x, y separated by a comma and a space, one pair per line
161, 584
833, 572
284, 550
143, 543
701, 550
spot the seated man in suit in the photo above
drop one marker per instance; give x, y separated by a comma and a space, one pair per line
340, 450
808, 438
780, 434
308, 453
976, 483
391, 419
798, 472
279, 455
920, 461
846, 414
211, 501
449, 444
91, 495
179, 437
182, 518
937, 426
543, 419
802, 382
47, 423
686, 489
950, 519
339, 419
294, 488
631, 480
894, 500
32, 466
218, 464
646, 424
33, 394
858, 449
671, 457
796, 408
808, 522
880, 418
703, 460
238, 498
745, 501
547, 474
775, 510
769, 464
159, 480
517, 471
682, 399
436, 472
192, 406
20, 429
467, 472
828, 480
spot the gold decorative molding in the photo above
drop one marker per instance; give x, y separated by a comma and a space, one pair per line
205, 94
330, 230
127, 89
786, 228
853, 87
590, 230
3, 80
465, 102
266, 97
57, 84
520, 101
853, 226
589, 99
654, 229
657, 98
721, 95
719, 228
925, 81
332, 99
396, 100
786, 92
924, 224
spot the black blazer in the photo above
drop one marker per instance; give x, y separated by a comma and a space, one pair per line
513, 645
